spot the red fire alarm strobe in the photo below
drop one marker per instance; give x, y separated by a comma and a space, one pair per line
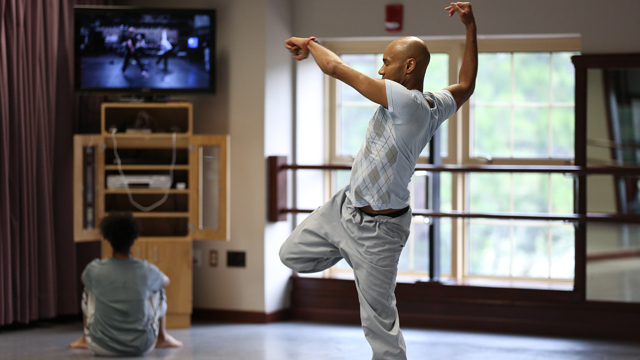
393, 18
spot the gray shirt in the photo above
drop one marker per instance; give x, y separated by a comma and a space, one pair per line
395, 138
122, 320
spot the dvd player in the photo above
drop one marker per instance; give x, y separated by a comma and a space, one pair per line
138, 181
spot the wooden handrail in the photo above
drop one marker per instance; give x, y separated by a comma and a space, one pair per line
614, 254
459, 214
591, 217
574, 170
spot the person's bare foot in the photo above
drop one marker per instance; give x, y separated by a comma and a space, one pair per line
79, 344
168, 341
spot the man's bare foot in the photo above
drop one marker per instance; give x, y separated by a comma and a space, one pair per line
79, 344
168, 341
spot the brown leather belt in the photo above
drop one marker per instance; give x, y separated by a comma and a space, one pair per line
392, 214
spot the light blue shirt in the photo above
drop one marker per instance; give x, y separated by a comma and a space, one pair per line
395, 138
122, 320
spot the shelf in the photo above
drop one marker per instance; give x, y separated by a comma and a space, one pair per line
147, 167
149, 214
163, 117
121, 135
147, 141
164, 238
146, 191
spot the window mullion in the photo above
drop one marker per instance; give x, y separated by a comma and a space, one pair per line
550, 210
511, 209
550, 149
512, 105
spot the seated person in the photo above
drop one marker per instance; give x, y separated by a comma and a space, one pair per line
124, 302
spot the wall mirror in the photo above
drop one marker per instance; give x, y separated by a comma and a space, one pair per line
608, 101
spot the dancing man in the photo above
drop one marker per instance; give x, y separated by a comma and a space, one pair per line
367, 223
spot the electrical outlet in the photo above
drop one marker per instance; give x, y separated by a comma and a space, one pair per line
236, 259
213, 258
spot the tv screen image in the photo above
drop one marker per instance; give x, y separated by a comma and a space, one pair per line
144, 50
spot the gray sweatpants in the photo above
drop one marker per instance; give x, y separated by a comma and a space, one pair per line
371, 245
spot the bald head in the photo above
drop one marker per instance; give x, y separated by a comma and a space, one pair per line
411, 55
412, 47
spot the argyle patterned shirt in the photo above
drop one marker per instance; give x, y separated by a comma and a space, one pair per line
395, 138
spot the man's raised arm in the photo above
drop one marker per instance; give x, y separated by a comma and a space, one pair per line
332, 65
467, 77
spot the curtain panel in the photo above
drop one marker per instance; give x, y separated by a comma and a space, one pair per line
37, 253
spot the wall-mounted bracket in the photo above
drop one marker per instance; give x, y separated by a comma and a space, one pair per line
277, 188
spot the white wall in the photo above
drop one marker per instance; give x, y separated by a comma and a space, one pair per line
310, 129
240, 96
278, 139
605, 25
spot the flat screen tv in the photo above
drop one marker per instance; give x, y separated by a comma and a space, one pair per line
140, 51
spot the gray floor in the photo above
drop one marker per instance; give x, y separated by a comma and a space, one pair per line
308, 341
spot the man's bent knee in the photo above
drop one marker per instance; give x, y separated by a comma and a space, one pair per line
292, 261
285, 255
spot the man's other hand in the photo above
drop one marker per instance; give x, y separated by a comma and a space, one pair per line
464, 9
296, 46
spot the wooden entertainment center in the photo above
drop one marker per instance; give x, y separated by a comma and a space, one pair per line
155, 139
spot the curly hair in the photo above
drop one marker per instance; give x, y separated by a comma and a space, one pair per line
121, 230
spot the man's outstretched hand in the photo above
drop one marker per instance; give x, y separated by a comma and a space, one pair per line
296, 46
464, 9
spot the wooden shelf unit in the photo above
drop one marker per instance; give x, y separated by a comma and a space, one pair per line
197, 212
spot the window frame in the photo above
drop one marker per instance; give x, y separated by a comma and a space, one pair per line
511, 45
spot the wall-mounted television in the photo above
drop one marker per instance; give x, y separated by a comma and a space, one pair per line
139, 51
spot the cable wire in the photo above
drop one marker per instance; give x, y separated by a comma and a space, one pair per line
126, 184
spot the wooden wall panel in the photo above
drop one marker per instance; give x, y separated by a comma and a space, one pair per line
524, 311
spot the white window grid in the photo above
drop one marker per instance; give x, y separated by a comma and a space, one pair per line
550, 225
512, 105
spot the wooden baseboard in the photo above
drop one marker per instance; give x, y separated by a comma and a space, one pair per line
521, 311
245, 317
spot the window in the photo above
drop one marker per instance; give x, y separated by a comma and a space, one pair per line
522, 113
520, 249
523, 106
